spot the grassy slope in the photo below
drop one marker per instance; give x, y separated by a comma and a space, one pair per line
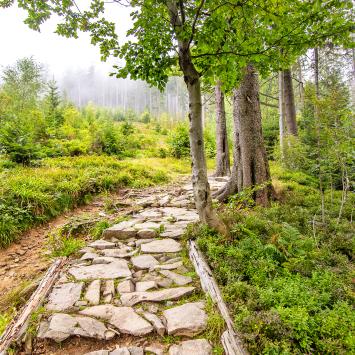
287, 278
30, 195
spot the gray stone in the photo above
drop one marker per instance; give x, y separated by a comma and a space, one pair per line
89, 256
171, 266
161, 246
188, 347
130, 299
180, 280
81, 303
92, 294
109, 291
188, 319
151, 213
142, 286
86, 250
142, 241
144, 261
64, 296
125, 286
147, 225
119, 253
93, 328
121, 230
174, 234
147, 233
102, 244
155, 321
125, 319
98, 352
113, 270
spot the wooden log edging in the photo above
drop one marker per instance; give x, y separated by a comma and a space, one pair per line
230, 340
18, 326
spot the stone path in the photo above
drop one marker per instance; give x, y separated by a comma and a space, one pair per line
135, 283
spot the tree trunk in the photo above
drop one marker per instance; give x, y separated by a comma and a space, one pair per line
201, 187
222, 158
250, 166
235, 181
318, 130
290, 108
281, 114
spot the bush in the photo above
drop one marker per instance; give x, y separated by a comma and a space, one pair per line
179, 142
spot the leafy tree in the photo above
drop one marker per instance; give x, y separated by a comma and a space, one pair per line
211, 38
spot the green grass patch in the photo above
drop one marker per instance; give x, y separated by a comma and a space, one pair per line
32, 195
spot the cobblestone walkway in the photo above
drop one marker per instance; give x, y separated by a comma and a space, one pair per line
133, 290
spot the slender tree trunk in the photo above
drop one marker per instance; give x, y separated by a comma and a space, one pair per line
300, 79
250, 167
290, 108
201, 187
318, 130
222, 158
281, 114
235, 181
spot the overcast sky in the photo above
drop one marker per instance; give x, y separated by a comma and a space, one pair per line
57, 53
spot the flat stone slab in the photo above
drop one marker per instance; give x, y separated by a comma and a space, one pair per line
161, 246
147, 225
180, 280
169, 266
112, 270
102, 244
142, 262
125, 286
188, 319
143, 286
61, 326
169, 294
64, 296
125, 319
189, 347
155, 321
92, 294
119, 252
147, 233
120, 230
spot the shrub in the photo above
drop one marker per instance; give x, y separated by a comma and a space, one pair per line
179, 142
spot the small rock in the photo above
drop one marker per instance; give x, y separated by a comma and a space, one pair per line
109, 291
144, 261
196, 347
92, 294
64, 296
89, 256
130, 299
145, 286
135, 350
180, 280
155, 321
161, 246
189, 319
171, 266
120, 351
102, 244
156, 350
147, 233
125, 286
98, 352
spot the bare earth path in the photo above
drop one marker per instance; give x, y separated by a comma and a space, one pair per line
133, 291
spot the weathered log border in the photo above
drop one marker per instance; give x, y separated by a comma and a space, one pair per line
230, 340
17, 328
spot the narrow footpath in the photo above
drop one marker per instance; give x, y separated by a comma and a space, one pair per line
134, 291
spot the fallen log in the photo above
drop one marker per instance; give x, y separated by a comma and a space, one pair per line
230, 340
17, 328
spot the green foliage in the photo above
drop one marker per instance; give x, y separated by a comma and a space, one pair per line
179, 142
97, 230
60, 244
287, 280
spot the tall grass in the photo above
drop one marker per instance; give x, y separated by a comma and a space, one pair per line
31, 195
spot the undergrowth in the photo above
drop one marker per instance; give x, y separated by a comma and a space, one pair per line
285, 275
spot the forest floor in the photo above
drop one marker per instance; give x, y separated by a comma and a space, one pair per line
97, 299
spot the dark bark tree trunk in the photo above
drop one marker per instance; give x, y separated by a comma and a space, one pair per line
222, 156
201, 187
290, 108
250, 167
